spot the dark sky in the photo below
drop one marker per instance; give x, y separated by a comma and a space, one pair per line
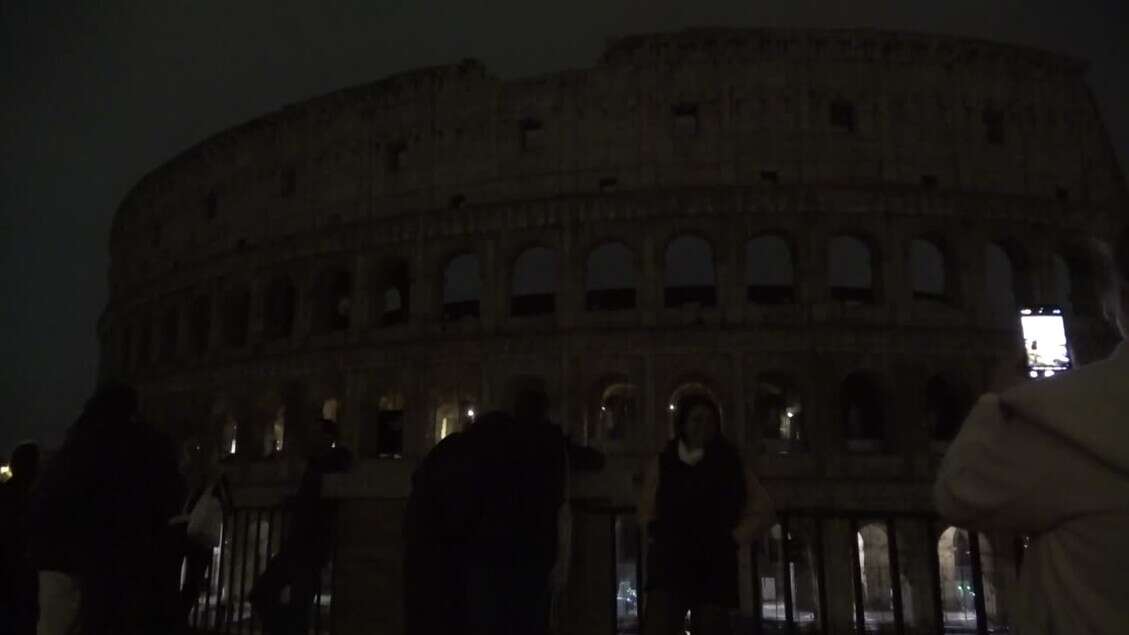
94, 94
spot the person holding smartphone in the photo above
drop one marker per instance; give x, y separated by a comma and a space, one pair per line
1050, 458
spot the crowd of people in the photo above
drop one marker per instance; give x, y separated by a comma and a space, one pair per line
116, 533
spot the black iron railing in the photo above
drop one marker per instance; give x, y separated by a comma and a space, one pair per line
871, 572
250, 537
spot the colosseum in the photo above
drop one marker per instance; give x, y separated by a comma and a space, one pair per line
826, 231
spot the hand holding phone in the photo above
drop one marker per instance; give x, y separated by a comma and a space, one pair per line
1045, 342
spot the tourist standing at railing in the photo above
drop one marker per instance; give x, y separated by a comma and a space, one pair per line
99, 521
1050, 458
514, 541
19, 587
309, 542
440, 509
699, 504
199, 527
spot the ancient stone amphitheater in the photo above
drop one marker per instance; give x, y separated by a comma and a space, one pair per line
826, 231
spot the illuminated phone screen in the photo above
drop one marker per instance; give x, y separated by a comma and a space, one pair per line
1044, 336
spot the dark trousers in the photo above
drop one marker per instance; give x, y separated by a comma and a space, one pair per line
504, 596
300, 572
665, 614
197, 562
19, 604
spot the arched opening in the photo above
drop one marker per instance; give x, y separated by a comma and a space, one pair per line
236, 317
618, 415
928, 271
863, 417
274, 437
393, 292
452, 417
770, 276
1063, 290
947, 403
462, 288
333, 301
850, 271
228, 429
691, 389
170, 334
331, 409
689, 273
200, 324
958, 593
1005, 280
610, 279
1075, 285
280, 308
534, 289
778, 414
388, 442
787, 562
875, 575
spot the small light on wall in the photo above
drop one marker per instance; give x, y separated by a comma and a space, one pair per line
470, 412
671, 406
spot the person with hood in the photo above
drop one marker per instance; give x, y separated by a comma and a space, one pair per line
309, 542
698, 505
19, 588
98, 523
1050, 458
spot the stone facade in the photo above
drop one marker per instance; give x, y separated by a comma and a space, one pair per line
301, 257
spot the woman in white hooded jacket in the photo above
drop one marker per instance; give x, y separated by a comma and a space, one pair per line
1050, 458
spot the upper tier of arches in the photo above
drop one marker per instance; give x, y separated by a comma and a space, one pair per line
761, 108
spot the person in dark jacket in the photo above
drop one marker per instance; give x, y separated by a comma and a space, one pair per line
441, 506
481, 527
309, 542
698, 505
511, 540
19, 586
99, 520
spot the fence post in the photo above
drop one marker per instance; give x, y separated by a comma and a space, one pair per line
978, 583
856, 574
820, 574
895, 574
785, 563
758, 604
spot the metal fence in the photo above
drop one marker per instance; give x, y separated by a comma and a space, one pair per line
865, 572
250, 537
814, 572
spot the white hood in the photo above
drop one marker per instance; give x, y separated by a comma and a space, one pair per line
1088, 407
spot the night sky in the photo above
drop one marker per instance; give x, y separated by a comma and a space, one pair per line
95, 94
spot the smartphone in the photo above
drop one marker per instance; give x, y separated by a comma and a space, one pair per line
1044, 337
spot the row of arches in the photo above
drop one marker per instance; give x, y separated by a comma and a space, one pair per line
611, 283
777, 418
